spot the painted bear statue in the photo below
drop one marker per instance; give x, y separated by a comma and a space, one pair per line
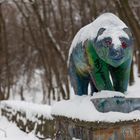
101, 55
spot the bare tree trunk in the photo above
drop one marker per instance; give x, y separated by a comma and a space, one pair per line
131, 80
71, 17
93, 11
82, 12
21, 93
5, 46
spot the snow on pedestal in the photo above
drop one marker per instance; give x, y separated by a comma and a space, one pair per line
79, 118
31, 109
81, 107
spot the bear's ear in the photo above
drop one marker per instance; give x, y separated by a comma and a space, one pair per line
101, 30
127, 31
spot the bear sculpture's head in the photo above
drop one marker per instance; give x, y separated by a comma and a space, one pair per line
114, 45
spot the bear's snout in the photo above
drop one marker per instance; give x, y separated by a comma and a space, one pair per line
116, 54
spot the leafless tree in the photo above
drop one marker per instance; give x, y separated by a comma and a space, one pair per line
37, 34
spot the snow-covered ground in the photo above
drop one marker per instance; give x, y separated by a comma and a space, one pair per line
134, 91
34, 93
9, 131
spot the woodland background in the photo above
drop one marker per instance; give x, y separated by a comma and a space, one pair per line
35, 35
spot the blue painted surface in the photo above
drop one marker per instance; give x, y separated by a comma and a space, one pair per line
86, 67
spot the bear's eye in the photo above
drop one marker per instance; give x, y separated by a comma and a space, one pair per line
108, 42
124, 45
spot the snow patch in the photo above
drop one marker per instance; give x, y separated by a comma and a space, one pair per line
107, 94
81, 107
10, 131
30, 109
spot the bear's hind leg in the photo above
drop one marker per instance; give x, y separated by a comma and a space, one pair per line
82, 83
78, 81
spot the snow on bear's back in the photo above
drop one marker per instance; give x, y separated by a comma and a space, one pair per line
106, 20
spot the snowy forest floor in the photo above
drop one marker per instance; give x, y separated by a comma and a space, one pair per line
9, 131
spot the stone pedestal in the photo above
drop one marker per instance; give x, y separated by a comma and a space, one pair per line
67, 129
